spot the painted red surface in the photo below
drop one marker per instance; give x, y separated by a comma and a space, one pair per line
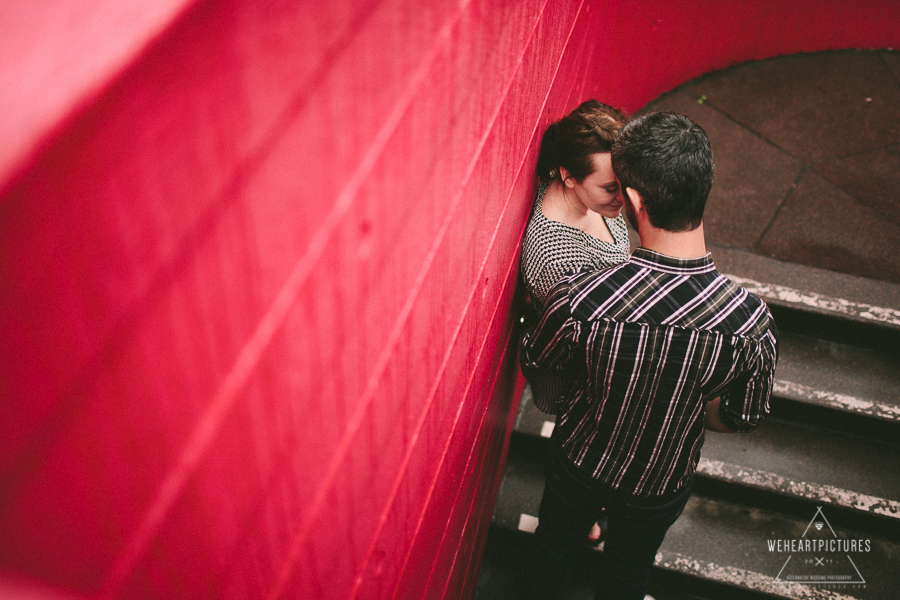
258, 266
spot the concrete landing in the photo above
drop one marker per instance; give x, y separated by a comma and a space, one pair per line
807, 153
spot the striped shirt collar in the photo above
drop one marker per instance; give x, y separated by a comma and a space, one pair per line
669, 264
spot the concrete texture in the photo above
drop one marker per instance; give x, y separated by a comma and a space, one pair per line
748, 264
716, 535
808, 454
807, 150
820, 225
870, 176
862, 373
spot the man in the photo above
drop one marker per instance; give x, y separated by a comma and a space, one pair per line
660, 345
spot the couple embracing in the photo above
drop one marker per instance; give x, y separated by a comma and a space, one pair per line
637, 356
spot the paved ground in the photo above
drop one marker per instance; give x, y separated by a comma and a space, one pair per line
807, 151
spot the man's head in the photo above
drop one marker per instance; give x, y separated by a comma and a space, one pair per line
667, 158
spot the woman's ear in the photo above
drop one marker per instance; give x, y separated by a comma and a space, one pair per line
566, 177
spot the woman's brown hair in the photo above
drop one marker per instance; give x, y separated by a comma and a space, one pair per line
573, 140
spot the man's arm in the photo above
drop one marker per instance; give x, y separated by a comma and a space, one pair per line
713, 420
745, 403
550, 344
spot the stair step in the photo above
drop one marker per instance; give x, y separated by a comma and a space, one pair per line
505, 553
814, 285
838, 366
783, 464
737, 546
793, 466
725, 546
834, 306
844, 377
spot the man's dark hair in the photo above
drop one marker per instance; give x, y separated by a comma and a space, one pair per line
667, 158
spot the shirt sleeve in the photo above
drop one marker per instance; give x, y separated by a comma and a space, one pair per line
746, 402
551, 344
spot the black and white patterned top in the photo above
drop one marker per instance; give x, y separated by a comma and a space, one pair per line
654, 338
552, 250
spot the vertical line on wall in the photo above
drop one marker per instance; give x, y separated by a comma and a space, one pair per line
499, 455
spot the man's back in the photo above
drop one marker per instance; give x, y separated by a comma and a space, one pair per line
653, 338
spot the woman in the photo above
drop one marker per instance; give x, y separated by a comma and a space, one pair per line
575, 224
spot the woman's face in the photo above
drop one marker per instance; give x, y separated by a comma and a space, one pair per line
599, 191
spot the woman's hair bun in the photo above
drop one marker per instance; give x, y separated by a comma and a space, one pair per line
572, 141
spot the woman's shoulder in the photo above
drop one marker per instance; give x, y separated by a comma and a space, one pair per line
542, 229
540, 276
545, 238
549, 255
548, 216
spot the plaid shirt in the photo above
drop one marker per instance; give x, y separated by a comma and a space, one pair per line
650, 341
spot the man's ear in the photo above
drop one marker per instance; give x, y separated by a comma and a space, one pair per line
637, 201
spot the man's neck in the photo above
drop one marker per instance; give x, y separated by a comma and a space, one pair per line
682, 244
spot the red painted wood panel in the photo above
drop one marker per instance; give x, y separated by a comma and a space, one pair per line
257, 270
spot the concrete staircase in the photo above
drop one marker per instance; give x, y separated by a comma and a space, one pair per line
824, 466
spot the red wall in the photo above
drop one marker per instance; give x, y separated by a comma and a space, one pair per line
257, 264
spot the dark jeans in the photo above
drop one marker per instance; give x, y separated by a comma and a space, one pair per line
571, 504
